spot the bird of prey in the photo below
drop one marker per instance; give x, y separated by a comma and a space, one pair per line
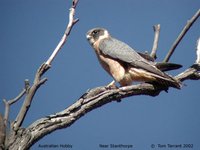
123, 63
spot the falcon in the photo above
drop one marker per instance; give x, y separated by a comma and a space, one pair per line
123, 63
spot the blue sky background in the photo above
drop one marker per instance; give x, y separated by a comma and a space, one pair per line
29, 32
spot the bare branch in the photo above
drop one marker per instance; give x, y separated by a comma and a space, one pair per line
198, 51
30, 94
72, 21
6, 113
10, 102
42, 69
181, 35
89, 101
2, 133
74, 3
192, 73
27, 85
156, 38
4, 120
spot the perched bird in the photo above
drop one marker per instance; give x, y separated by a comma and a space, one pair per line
123, 63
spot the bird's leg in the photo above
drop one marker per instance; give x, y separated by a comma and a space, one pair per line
111, 85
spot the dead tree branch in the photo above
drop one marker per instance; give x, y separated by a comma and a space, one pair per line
71, 23
193, 72
6, 115
2, 132
38, 81
181, 35
156, 38
9, 103
198, 51
89, 101
29, 97
43, 68
24, 138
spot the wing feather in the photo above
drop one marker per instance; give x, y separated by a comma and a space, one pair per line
124, 53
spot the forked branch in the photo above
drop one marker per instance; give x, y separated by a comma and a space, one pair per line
89, 101
181, 35
38, 81
193, 72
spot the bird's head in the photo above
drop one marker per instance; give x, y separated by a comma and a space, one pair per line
96, 34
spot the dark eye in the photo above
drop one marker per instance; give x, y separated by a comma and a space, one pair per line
95, 32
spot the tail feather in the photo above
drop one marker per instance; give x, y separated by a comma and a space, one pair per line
167, 66
167, 83
167, 80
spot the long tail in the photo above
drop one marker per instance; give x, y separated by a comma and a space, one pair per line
163, 66
169, 83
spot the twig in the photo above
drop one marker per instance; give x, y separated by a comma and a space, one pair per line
181, 35
29, 96
6, 115
12, 101
72, 21
9, 103
42, 69
192, 73
156, 38
198, 51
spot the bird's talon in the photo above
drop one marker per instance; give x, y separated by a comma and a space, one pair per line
111, 85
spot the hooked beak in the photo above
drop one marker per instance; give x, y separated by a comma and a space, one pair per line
88, 36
